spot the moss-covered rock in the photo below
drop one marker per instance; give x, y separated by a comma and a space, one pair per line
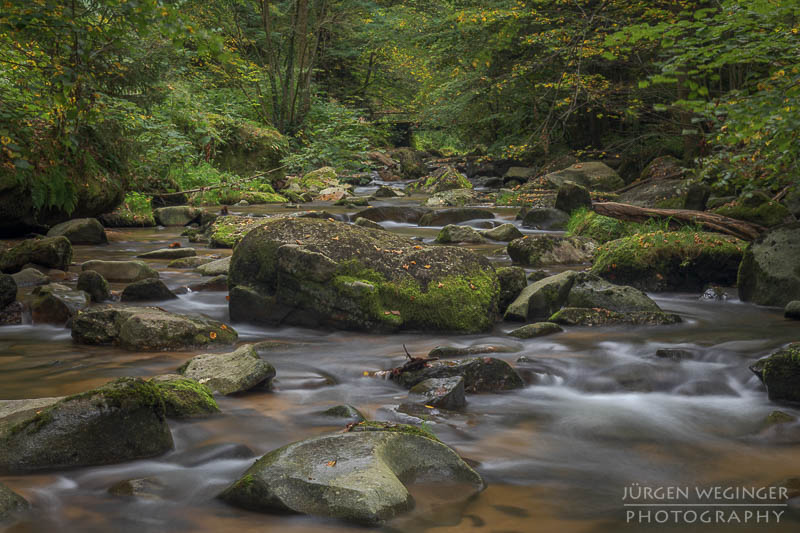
190, 262
148, 328
321, 272
120, 421
355, 476
537, 329
147, 290
662, 167
453, 198
125, 271
481, 374
765, 213
589, 290
56, 304
780, 372
582, 316
541, 250
504, 233
227, 231
313, 182
652, 193
347, 412
95, 285
249, 147
512, 282
179, 215
672, 260
443, 179
571, 196
585, 223
218, 267
50, 252
184, 397
230, 373
453, 233
594, 175
542, 298
80, 231
128, 215
11, 505
769, 273
412, 164
30, 277
545, 218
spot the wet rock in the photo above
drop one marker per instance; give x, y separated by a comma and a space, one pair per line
169, 253
215, 268
672, 260
768, 274
456, 215
230, 373
147, 290
179, 215
217, 283
354, 476
590, 290
454, 234
30, 277
512, 283
125, 271
227, 231
792, 310
779, 417
190, 262
481, 374
80, 231
347, 412
11, 505
581, 316
185, 397
448, 352
148, 488
780, 373
120, 421
95, 285
538, 275
148, 329
676, 354
504, 233
537, 329
313, 182
545, 218
56, 304
444, 179
11, 315
387, 192
714, 294
594, 175
519, 174
705, 387
354, 201
453, 198
366, 223
444, 393
8, 290
393, 213
50, 252
317, 272
541, 299
544, 250
571, 196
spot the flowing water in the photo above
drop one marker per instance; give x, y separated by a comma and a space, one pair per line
600, 414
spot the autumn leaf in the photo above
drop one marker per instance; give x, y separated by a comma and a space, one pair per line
213, 335
331, 463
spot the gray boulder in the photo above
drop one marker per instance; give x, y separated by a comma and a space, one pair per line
456, 215
120, 421
545, 218
571, 196
354, 476
230, 373
56, 304
541, 250
590, 290
80, 231
445, 393
125, 271
481, 374
147, 290
50, 252
30, 277
215, 268
541, 299
453, 198
94, 285
504, 233
8, 290
179, 215
148, 329
594, 175
454, 234
393, 213
769, 273
169, 253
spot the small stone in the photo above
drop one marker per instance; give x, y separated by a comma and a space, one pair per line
344, 411
230, 373
539, 329
504, 233
94, 285
147, 290
146, 488
453, 234
169, 253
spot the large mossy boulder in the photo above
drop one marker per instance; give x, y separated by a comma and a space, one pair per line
593, 175
757, 208
453, 233
541, 250
443, 179
780, 373
80, 231
50, 252
769, 273
148, 329
184, 397
120, 421
571, 196
599, 228
481, 374
358, 476
319, 272
126, 271
672, 260
230, 373
11, 505
227, 231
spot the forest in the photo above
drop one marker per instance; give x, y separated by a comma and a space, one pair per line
498, 265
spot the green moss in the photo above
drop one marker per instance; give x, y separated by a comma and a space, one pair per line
676, 202
186, 398
227, 231
373, 425
586, 223
766, 214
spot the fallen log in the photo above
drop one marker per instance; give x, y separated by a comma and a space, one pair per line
678, 217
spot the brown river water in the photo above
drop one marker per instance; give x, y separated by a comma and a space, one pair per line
600, 414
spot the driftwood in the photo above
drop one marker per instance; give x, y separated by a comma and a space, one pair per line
730, 226
219, 185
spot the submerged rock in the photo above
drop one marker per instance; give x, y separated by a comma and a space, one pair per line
355, 476
230, 373
780, 373
393, 213
149, 488
184, 397
544, 250
317, 272
169, 253
94, 285
119, 421
344, 411
456, 215
50, 252
227, 231
769, 274
148, 328
80, 231
56, 304
147, 290
581, 316
481, 374
125, 271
